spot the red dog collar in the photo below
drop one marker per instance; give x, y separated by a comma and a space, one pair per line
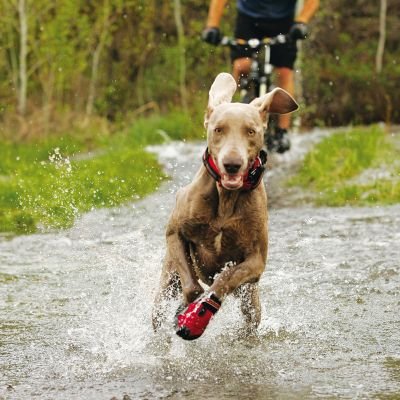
252, 177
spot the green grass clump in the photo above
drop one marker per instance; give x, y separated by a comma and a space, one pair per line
49, 182
330, 169
50, 189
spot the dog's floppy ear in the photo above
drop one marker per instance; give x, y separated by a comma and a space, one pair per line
221, 91
277, 101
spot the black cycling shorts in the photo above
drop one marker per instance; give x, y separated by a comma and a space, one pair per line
282, 55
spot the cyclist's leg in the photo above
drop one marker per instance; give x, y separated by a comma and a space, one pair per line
245, 28
285, 80
241, 67
283, 58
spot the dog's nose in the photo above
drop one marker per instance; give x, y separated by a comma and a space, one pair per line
232, 168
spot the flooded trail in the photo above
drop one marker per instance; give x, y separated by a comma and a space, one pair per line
75, 305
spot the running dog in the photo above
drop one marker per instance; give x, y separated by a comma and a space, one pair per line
218, 230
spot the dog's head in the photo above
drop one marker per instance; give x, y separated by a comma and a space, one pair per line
235, 131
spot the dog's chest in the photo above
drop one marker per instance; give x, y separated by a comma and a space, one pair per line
218, 237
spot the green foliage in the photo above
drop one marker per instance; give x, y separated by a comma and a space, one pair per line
332, 168
109, 57
338, 66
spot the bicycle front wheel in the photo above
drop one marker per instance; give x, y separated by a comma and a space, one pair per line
250, 92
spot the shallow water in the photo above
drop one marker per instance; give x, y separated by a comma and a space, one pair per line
75, 306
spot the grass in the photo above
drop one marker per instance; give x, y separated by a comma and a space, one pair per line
47, 183
332, 170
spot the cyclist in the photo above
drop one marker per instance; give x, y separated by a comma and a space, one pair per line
260, 19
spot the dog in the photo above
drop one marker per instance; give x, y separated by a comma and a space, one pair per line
218, 230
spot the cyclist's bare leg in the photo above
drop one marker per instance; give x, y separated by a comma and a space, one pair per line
285, 80
241, 67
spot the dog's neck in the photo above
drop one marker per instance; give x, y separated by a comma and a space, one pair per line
227, 200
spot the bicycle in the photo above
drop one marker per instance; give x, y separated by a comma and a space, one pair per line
259, 82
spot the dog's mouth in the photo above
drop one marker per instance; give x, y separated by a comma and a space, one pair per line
232, 181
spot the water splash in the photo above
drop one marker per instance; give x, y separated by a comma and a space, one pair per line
59, 161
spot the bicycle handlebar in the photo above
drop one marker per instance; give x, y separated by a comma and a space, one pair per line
255, 43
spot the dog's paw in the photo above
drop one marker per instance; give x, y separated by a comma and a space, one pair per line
192, 322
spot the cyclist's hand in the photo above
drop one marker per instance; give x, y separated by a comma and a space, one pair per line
211, 35
298, 31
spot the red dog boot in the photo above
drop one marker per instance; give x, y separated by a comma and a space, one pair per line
193, 321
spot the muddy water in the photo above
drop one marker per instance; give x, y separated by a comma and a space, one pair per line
75, 306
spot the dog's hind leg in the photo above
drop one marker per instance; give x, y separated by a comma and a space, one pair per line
250, 305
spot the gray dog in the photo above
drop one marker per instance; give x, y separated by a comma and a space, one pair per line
218, 230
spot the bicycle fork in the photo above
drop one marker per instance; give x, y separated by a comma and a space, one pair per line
265, 81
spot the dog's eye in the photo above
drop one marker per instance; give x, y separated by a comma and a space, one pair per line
218, 130
251, 132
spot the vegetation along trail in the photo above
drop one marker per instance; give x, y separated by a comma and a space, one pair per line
75, 305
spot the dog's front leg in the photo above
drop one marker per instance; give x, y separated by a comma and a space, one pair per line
193, 321
179, 255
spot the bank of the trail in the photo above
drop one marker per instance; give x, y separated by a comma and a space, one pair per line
349, 167
46, 183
